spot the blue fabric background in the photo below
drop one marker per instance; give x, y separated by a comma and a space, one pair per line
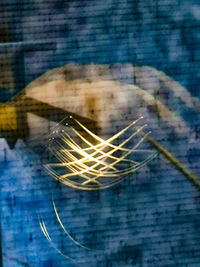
151, 222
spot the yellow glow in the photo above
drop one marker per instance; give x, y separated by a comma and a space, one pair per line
92, 162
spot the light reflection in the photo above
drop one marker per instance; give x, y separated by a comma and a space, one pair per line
97, 166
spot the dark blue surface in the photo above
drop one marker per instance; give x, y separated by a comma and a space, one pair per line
162, 34
148, 223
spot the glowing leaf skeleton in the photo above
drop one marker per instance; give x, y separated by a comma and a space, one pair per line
93, 165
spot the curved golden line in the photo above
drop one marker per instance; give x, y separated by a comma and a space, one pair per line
113, 174
64, 229
59, 157
85, 155
166, 114
126, 171
98, 173
110, 152
107, 142
46, 234
114, 137
82, 167
79, 166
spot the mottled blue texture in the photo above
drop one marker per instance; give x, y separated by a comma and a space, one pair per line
151, 222
163, 34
